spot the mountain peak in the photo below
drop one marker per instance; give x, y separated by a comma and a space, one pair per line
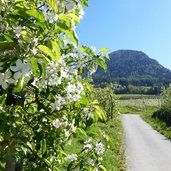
134, 67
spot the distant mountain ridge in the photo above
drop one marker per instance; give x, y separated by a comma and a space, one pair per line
133, 67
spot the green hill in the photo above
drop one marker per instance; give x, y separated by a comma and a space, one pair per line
133, 68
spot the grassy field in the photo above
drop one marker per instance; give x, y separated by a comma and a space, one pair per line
137, 96
114, 156
138, 103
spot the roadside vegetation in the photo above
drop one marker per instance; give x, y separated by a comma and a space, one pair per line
139, 104
109, 132
114, 156
156, 110
161, 118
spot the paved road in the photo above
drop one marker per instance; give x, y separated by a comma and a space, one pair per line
146, 149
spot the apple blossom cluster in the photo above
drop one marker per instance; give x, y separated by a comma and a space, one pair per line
93, 152
71, 157
90, 148
98, 146
6, 79
66, 127
87, 114
11, 77
40, 58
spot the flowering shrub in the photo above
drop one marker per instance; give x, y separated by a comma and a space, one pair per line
44, 95
107, 100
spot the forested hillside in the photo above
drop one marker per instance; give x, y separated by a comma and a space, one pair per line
129, 67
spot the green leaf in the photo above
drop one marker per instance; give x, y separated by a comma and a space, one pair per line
73, 16
34, 65
87, 50
53, 4
24, 33
84, 100
98, 111
95, 102
102, 64
8, 38
65, 29
84, 2
5, 45
107, 56
56, 50
48, 52
80, 130
44, 57
43, 146
29, 145
19, 86
102, 167
102, 50
36, 14
66, 19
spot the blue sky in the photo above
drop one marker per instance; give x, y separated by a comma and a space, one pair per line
143, 25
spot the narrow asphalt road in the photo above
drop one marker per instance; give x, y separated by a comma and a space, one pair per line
146, 149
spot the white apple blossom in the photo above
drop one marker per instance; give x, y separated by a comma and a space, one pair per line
94, 50
1, 108
81, 14
71, 157
56, 123
88, 146
73, 55
99, 148
90, 116
86, 110
80, 88
88, 141
54, 80
71, 88
73, 127
17, 31
5, 79
58, 103
81, 64
51, 17
69, 5
2, 27
67, 133
69, 142
55, 17
91, 162
1, 63
34, 51
35, 40
64, 73
21, 69
92, 69
76, 97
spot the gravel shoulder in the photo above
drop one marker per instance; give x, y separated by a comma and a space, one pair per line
146, 149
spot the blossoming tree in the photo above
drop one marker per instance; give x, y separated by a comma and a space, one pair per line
44, 95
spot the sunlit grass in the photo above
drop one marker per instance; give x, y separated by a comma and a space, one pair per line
158, 124
138, 103
114, 156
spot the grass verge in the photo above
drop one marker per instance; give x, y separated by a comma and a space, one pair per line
134, 110
157, 124
114, 156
